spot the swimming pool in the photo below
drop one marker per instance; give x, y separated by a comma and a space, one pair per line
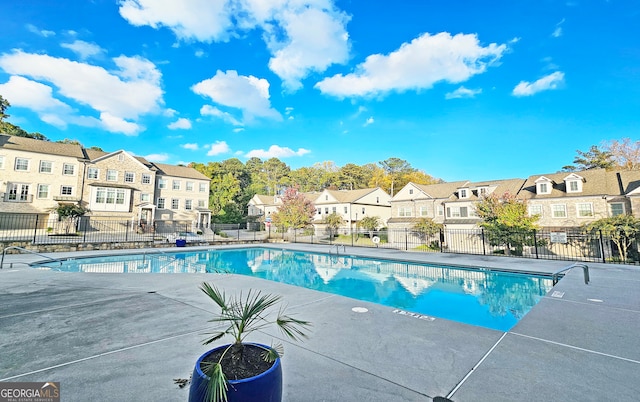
491, 299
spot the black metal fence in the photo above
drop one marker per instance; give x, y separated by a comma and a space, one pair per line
37, 229
570, 244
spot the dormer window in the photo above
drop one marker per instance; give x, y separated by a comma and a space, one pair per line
573, 183
543, 185
410, 191
463, 193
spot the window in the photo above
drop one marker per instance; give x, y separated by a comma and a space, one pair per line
129, 177
440, 210
410, 191
188, 205
404, 211
584, 209
617, 209
120, 196
326, 210
68, 169
46, 167
543, 188
535, 210
100, 195
111, 196
175, 203
463, 193
363, 211
573, 186
457, 212
162, 183
482, 191
189, 186
112, 175
200, 203
175, 185
333, 210
559, 211
203, 187
146, 178
43, 191
346, 209
377, 200
22, 164
326, 198
319, 211
66, 190
160, 203
145, 197
121, 157
423, 211
92, 173
18, 192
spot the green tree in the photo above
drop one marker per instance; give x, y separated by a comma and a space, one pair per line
506, 222
68, 215
333, 222
425, 228
395, 168
223, 190
623, 230
352, 177
594, 158
296, 211
370, 224
4, 105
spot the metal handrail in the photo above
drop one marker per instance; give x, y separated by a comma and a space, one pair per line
28, 251
337, 246
585, 270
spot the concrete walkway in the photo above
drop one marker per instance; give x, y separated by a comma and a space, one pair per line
126, 337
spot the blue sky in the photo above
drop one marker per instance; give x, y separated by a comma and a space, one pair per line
463, 90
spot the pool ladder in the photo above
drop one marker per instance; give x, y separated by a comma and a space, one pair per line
560, 273
337, 246
25, 250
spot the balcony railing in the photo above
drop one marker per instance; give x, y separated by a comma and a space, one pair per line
8, 197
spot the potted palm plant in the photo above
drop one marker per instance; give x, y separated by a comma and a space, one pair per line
243, 371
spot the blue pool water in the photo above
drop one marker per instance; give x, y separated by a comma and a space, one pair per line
486, 298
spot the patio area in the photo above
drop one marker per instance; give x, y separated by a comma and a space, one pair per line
127, 337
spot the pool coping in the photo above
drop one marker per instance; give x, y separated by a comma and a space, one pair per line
578, 346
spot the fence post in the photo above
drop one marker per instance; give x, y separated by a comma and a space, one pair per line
406, 239
442, 240
535, 243
126, 232
238, 231
35, 230
604, 259
84, 235
484, 247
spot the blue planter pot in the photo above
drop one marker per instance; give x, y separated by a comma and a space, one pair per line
265, 387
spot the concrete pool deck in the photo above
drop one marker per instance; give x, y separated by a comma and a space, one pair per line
126, 337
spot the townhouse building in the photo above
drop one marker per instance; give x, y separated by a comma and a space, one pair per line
571, 200
351, 205
36, 176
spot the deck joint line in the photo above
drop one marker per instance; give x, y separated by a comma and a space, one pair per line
455, 389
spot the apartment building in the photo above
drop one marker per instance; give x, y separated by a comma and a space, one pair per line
37, 176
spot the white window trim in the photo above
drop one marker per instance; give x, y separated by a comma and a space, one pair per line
590, 204
64, 168
15, 165
48, 186
107, 176
50, 166
553, 212
97, 173
463, 193
133, 177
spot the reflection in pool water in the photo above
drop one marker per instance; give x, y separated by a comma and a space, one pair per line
486, 298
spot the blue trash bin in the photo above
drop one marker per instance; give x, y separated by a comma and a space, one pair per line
181, 242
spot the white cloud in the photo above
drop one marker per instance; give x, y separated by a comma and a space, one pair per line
191, 146
314, 40
208, 110
558, 31
22, 92
202, 20
303, 36
548, 82
157, 157
276, 151
369, 121
119, 97
83, 49
180, 124
417, 65
42, 32
463, 92
247, 93
217, 148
